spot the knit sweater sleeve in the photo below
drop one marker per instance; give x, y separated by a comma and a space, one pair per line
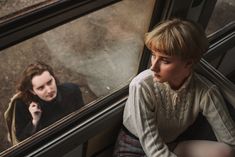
142, 121
214, 109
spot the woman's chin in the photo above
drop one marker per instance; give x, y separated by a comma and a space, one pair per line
157, 79
50, 98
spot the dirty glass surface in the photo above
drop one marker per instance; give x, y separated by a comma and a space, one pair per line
222, 15
13, 8
99, 51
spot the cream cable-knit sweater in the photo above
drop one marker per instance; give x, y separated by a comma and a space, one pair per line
156, 114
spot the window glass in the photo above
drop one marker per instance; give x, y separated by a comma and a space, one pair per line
12, 8
100, 52
227, 65
222, 15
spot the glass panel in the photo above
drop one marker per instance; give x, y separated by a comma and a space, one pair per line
222, 15
227, 66
100, 52
224, 62
13, 8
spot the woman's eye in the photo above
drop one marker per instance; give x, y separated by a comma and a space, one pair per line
49, 82
40, 88
165, 61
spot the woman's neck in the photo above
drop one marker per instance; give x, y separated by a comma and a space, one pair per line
177, 83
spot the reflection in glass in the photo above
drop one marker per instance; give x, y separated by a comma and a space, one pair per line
227, 66
100, 52
40, 101
222, 15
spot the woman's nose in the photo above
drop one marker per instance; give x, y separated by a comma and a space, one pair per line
49, 89
155, 65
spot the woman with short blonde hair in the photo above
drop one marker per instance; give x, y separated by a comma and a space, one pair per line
167, 98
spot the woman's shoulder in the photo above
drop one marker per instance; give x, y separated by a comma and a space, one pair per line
145, 77
202, 82
19, 101
69, 88
20, 104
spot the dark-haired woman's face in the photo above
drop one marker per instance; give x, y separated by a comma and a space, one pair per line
44, 86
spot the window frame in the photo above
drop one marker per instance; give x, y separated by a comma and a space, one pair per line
222, 39
23, 27
31, 24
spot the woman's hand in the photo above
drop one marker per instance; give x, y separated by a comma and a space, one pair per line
36, 113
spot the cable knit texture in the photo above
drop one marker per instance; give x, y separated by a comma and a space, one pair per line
157, 114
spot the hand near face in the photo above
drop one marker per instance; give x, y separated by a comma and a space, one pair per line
35, 112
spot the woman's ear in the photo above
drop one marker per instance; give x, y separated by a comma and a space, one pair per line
189, 63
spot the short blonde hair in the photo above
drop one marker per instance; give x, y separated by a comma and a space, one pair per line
176, 37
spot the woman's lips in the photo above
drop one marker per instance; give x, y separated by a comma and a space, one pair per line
50, 95
156, 75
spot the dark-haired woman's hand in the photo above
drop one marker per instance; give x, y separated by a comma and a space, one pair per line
36, 113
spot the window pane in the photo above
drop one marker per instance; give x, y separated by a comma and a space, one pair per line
227, 66
100, 52
222, 15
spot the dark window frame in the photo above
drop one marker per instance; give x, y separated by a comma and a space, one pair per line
219, 41
43, 19
31, 24
21, 28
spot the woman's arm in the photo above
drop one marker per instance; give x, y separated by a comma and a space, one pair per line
24, 126
214, 109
